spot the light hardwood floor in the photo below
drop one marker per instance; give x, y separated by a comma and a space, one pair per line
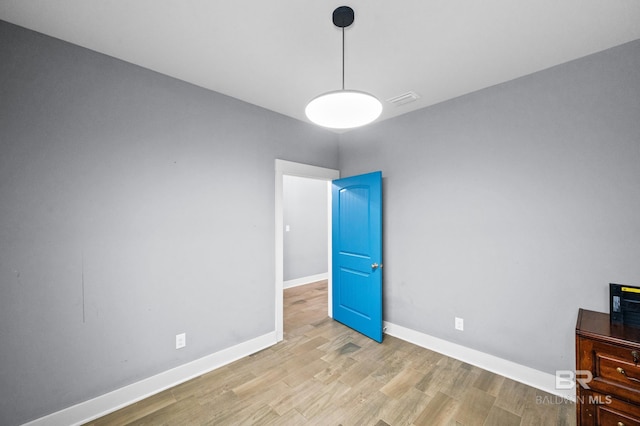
324, 373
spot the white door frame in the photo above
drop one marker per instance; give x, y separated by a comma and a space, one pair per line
306, 171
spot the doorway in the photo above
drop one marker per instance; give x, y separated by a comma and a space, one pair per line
288, 168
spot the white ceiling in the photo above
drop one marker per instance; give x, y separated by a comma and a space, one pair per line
280, 54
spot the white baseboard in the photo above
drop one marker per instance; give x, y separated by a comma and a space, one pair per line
520, 373
119, 398
306, 280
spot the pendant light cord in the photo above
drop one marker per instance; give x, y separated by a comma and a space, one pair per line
342, 58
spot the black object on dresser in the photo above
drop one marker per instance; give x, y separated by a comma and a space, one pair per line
624, 304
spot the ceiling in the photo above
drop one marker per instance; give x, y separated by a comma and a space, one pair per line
280, 54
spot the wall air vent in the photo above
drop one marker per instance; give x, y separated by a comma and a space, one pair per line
405, 98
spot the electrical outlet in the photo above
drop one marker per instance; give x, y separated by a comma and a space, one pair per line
181, 340
459, 324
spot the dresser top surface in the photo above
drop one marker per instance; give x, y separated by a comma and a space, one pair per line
598, 325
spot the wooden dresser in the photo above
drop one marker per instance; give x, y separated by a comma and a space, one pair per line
611, 353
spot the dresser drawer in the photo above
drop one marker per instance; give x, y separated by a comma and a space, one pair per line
628, 355
615, 369
616, 414
596, 409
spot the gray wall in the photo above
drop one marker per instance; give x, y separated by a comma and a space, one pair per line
511, 207
130, 206
305, 211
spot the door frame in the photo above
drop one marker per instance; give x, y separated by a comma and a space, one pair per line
290, 168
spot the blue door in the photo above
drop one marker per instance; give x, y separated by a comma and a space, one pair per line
357, 253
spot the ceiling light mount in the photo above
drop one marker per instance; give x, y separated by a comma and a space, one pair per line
343, 17
343, 109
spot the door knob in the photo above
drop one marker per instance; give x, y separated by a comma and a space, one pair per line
374, 266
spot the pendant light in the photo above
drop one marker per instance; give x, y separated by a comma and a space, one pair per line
343, 109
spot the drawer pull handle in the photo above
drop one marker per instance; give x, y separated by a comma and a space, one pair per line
620, 424
624, 373
636, 356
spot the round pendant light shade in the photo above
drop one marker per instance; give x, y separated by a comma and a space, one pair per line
343, 109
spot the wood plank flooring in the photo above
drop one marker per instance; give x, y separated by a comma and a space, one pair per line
324, 373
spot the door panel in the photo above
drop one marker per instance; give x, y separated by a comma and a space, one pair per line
357, 252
